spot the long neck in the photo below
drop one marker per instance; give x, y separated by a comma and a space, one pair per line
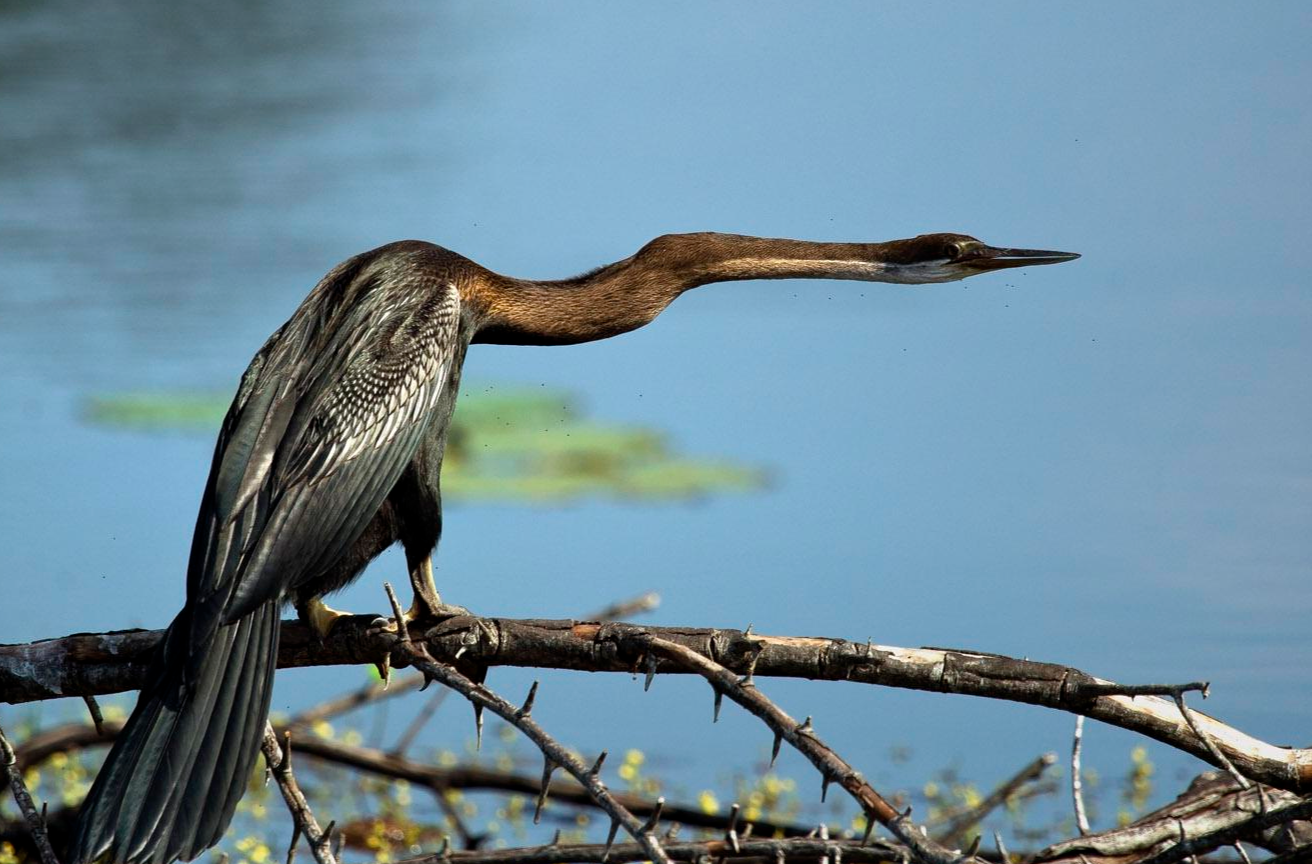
630, 293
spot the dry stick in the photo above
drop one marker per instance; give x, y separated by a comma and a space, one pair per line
107, 663
1077, 785
811, 849
279, 760
554, 754
1005, 790
1203, 843
35, 822
802, 736
1207, 740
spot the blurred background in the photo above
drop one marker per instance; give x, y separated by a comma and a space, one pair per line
1104, 464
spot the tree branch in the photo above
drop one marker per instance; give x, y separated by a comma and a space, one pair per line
279, 760
78, 736
756, 851
112, 662
35, 821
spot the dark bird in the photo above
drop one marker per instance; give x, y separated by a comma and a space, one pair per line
331, 452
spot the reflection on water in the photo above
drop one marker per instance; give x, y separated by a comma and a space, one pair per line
171, 173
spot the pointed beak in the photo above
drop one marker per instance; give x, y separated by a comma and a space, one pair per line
990, 258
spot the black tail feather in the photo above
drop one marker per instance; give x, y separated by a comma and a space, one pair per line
172, 782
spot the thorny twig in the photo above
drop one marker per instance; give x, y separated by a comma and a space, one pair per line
279, 760
959, 824
35, 821
554, 753
832, 767
1207, 739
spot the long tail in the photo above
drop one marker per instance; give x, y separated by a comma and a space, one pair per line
171, 784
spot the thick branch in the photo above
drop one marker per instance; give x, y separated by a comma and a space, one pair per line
108, 663
1213, 812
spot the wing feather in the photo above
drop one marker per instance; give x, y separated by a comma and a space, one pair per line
326, 420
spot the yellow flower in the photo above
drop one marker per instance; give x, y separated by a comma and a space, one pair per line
708, 802
634, 757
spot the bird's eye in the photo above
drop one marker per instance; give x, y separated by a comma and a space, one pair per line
955, 250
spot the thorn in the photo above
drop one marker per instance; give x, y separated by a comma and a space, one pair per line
478, 726
825, 780
384, 668
774, 750
595, 770
1002, 848
651, 671
870, 829
672, 833
97, 719
1207, 689
402, 629
748, 631
719, 700
974, 847
822, 830
547, 767
445, 847
45, 805
654, 819
731, 834
610, 839
528, 703
555, 839
806, 728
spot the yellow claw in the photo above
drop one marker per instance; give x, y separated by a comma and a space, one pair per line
320, 616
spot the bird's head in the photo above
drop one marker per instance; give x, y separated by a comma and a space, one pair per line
949, 257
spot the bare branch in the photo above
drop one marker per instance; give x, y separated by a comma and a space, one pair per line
757, 851
35, 821
279, 760
105, 663
832, 767
1213, 812
554, 753
960, 824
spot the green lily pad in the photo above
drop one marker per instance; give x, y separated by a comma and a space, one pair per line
529, 445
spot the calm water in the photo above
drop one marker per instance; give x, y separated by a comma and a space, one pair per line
1103, 464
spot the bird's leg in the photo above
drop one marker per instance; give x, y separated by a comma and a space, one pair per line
319, 616
427, 602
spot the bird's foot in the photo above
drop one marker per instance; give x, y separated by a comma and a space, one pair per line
319, 616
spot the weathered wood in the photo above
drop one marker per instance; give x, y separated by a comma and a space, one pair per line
113, 662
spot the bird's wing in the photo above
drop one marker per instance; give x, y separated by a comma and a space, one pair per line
325, 421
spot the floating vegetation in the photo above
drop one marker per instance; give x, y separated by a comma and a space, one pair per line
506, 444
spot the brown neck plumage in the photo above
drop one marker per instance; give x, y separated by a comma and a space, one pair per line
630, 293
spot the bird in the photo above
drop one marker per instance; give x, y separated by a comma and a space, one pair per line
331, 452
